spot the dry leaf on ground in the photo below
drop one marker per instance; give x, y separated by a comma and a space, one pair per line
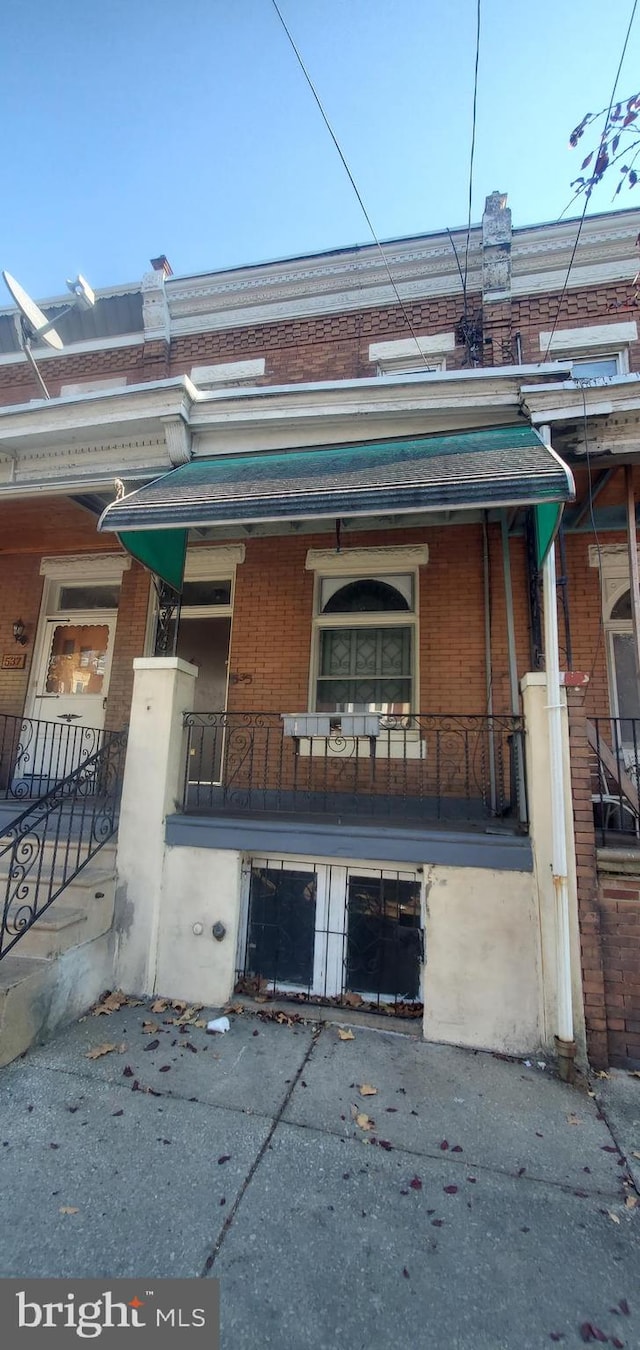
364, 1122
345, 1035
635, 1154
68, 1209
615, 1218
572, 1119
112, 1003
160, 1005
366, 1090
150, 1028
631, 1201
99, 1050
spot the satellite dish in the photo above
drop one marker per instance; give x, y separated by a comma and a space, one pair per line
42, 328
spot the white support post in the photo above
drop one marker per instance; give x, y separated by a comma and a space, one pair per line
565, 1021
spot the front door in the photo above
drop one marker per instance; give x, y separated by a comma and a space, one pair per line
69, 696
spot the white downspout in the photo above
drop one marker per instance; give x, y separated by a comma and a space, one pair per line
565, 1030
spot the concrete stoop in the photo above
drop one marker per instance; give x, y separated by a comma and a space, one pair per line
62, 965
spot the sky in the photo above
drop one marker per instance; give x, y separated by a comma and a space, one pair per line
132, 128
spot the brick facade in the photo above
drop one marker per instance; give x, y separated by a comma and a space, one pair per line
619, 905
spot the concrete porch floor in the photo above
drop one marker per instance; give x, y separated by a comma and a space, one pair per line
244, 1162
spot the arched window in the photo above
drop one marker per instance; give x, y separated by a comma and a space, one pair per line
365, 644
625, 691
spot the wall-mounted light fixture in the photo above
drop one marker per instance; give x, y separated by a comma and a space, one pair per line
19, 633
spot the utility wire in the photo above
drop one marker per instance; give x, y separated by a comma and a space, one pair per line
589, 190
473, 147
351, 178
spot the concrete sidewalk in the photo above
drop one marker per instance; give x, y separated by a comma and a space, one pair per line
487, 1205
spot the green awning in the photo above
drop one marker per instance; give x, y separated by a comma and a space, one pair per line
162, 551
491, 467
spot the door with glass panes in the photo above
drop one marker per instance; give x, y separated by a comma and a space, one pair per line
70, 682
327, 930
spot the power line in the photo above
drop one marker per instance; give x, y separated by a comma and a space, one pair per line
351, 178
473, 147
590, 188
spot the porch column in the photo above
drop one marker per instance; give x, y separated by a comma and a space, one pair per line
538, 764
163, 689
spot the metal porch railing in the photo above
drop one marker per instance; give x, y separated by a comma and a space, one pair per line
35, 755
53, 839
615, 778
408, 769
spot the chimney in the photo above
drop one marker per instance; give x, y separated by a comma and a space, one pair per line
496, 248
163, 265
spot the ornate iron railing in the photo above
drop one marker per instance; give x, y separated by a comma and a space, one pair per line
34, 754
45, 847
416, 768
615, 778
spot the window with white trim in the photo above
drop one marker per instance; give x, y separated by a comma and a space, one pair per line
625, 694
408, 356
365, 643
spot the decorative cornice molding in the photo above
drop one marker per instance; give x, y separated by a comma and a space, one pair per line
94, 566
388, 558
208, 562
178, 439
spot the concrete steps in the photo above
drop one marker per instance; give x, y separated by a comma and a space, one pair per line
62, 964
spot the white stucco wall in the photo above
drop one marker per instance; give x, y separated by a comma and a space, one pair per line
482, 983
200, 887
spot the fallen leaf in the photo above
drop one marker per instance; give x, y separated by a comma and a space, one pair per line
160, 1005
444, 1145
153, 1045
631, 1201
363, 1121
615, 1341
99, 1050
112, 1003
457, 1148
150, 1028
179, 1005
450, 1190
405, 1272
572, 1119
225, 1158
416, 1184
366, 1090
164, 1068
345, 1035
634, 1153
634, 1073
68, 1209
127, 1072
386, 1145
601, 1074
202, 1022
615, 1218
118, 1113
353, 1000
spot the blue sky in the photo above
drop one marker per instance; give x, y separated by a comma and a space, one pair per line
136, 127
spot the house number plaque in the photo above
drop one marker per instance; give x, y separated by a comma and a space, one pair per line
14, 660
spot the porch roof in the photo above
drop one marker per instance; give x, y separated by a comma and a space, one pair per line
497, 466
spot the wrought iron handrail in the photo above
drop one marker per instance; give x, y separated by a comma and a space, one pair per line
417, 767
54, 838
615, 777
35, 753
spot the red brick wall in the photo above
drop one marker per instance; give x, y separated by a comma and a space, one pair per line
588, 906
273, 614
39, 526
619, 899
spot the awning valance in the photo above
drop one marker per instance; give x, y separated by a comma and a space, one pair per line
497, 466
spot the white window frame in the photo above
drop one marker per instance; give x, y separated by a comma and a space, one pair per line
593, 342
613, 559
402, 618
402, 357
332, 884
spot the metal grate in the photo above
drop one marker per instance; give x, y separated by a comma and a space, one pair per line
419, 768
332, 934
